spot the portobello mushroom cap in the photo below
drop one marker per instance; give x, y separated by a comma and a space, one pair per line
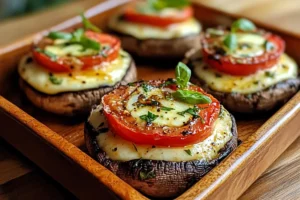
171, 178
257, 102
73, 103
158, 48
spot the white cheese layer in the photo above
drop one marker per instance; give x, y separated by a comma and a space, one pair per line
143, 31
117, 148
107, 74
285, 69
249, 45
166, 118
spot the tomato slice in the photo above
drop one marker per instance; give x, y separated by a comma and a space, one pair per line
122, 123
243, 66
66, 63
132, 14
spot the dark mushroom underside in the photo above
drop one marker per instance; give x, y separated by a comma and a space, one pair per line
159, 48
73, 103
171, 178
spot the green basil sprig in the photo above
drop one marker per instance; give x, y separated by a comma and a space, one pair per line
88, 25
230, 40
183, 75
243, 25
191, 97
78, 37
162, 4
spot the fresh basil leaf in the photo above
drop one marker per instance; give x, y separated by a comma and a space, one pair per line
55, 80
149, 118
90, 44
88, 25
243, 25
183, 75
191, 97
51, 55
230, 41
188, 151
77, 35
60, 35
166, 108
162, 4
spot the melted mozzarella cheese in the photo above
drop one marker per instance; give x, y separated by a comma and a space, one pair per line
285, 69
166, 118
120, 149
143, 31
254, 45
106, 75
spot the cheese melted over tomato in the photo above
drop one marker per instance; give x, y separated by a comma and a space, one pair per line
143, 31
120, 149
108, 74
285, 69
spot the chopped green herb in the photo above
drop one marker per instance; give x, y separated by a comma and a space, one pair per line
256, 82
147, 175
243, 25
270, 74
155, 103
88, 25
55, 80
268, 45
149, 118
169, 81
230, 41
146, 87
183, 75
131, 84
162, 4
192, 111
188, 151
191, 97
166, 108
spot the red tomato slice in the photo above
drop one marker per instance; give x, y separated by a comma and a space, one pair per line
65, 64
131, 14
243, 66
122, 123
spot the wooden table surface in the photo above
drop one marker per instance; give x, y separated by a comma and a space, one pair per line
20, 179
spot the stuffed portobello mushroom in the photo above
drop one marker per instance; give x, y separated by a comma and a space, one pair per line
157, 29
160, 136
68, 72
244, 67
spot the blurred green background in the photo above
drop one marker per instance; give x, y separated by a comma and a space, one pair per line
11, 8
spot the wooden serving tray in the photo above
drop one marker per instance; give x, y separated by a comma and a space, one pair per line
56, 144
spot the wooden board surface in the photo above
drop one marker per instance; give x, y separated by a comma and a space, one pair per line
77, 141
